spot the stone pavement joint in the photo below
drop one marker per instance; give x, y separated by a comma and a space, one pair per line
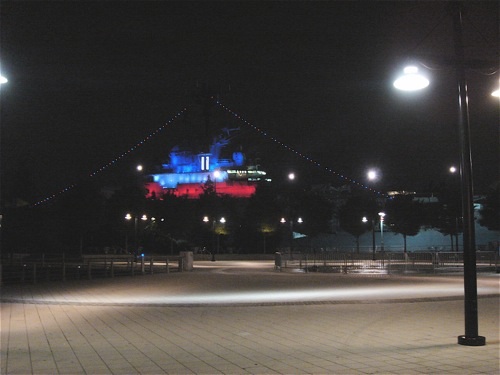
90, 328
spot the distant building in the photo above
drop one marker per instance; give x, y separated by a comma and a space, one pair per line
189, 172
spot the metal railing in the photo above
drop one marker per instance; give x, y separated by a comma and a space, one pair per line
60, 268
384, 262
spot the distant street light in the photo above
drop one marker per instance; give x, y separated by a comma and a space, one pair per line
411, 80
453, 169
129, 217
365, 220
139, 168
291, 176
217, 175
3, 80
222, 220
382, 216
372, 175
471, 336
291, 226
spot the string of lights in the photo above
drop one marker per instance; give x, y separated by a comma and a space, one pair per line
175, 117
114, 160
296, 152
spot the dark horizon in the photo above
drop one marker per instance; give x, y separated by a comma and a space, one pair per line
88, 80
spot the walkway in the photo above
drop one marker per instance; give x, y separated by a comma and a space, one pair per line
246, 318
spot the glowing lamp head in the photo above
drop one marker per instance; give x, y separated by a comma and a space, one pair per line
382, 215
372, 175
3, 79
411, 80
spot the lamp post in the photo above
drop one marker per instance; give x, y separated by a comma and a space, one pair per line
2, 81
217, 175
382, 215
291, 224
365, 220
129, 217
471, 337
222, 220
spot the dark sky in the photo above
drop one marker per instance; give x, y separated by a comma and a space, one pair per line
87, 80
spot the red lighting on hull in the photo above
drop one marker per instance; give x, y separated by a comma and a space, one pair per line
237, 189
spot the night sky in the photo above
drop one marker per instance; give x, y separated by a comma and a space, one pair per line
87, 80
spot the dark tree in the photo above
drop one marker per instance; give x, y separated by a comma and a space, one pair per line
352, 212
490, 211
404, 216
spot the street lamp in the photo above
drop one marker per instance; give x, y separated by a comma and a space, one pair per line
222, 220
382, 215
129, 217
471, 336
217, 175
365, 220
291, 224
3, 80
411, 80
371, 174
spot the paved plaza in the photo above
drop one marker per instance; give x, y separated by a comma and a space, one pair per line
247, 318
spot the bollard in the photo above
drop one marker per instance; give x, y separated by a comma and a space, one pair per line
151, 265
34, 273
142, 264
168, 268
112, 268
277, 261
64, 271
187, 260
89, 270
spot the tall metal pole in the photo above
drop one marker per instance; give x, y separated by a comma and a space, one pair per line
136, 248
373, 238
381, 214
471, 336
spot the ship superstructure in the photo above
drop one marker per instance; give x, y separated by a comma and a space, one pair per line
188, 172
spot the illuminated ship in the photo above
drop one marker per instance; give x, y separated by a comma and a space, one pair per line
188, 173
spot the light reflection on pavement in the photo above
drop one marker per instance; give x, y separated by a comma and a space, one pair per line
248, 283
